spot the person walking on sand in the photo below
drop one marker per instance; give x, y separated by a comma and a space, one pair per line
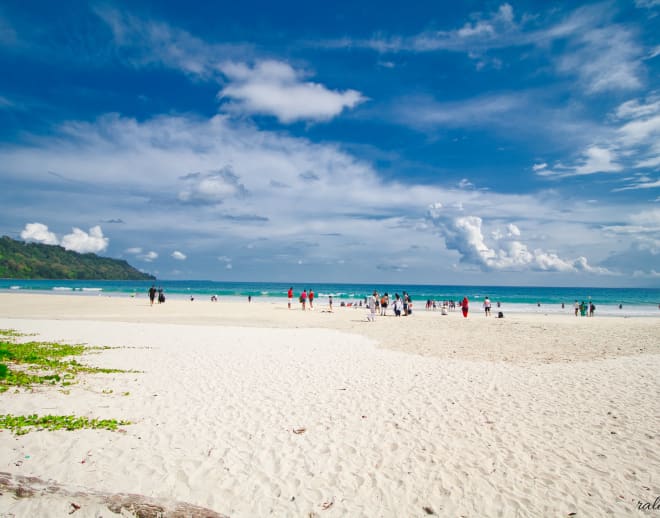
464, 306
152, 294
311, 299
289, 295
330, 302
303, 299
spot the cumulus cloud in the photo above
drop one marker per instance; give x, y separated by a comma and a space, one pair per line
39, 232
348, 198
85, 242
464, 234
179, 256
78, 240
268, 87
275, 88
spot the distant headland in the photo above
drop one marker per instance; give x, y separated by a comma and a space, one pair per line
19, 260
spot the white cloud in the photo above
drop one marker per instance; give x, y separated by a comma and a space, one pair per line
78, 241
179, 256
275, 88
422, 111
149, 256
605, 59
84, 242
639, 185
144, 43
39, 232
465, 184
339, 216
269, 87
598, 160
603, 55
539, 167
634, 143
212, 187
464, 235
134, 250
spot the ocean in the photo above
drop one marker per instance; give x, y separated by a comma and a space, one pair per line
529, 299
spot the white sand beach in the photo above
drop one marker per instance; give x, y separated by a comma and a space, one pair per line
254, 410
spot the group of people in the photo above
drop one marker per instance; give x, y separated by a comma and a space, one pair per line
584, 309
153, 292
487, 305
304, 298
402, 305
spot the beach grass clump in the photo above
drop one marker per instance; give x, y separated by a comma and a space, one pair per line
27, 364
21, 424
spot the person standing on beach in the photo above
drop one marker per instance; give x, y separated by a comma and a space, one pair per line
303, 299
464, 306
311, 299
383, 304
576, 306
371, 307
330, 302
397, 305
289, 294
487, 306
152, 294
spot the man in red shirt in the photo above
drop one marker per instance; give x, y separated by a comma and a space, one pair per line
311, 299
303, 298
290, 295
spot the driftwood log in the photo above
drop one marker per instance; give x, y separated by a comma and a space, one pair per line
138, 505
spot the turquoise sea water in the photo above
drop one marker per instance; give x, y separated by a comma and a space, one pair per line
543, 299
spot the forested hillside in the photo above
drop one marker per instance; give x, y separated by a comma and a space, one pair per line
19, 260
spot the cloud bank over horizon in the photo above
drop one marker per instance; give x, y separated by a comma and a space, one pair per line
499, 145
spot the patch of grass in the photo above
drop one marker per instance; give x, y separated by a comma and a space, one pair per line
26, 364
12, 333
20, 425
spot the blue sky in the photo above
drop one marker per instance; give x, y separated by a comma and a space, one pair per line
445, 143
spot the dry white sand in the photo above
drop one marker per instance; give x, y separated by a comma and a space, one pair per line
524, 416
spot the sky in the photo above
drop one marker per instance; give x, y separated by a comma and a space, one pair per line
438, 142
